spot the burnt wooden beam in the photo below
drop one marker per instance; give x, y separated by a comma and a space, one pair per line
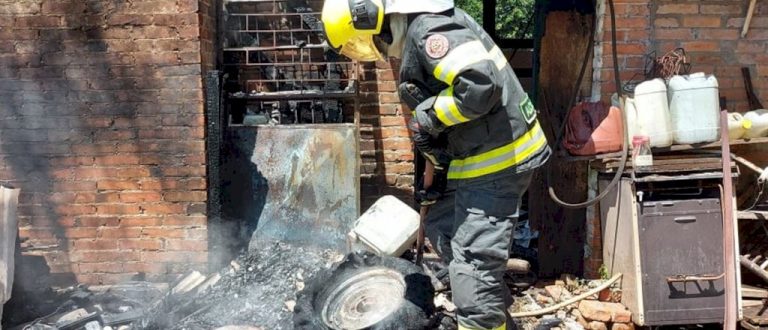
563, 36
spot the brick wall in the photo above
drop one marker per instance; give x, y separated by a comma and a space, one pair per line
710, 33
386, 150
708, 30
101, 126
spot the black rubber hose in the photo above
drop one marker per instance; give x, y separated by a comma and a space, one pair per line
625, 145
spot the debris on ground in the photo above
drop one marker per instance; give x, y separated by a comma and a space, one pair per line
117, 307
256, 291
599, 311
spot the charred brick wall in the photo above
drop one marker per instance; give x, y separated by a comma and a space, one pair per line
102, 128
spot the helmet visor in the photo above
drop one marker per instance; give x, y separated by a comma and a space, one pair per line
361, 48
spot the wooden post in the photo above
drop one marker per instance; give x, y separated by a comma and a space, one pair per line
563, 232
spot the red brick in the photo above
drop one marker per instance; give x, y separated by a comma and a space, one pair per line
101, 267
631, 49
111, 197
188, 171
173, 256
139, 221
140, 244
702, 21
185, 245
97, 221
701, 46
677, 8
729, 9
117, 160
185, 221
673, 34
667, 22
109, 232
94, 244
118, 185
396, 144
134, 172
105, 256
144, 267
129, 197
164, 232
74, 209
80, 232
185, 196
37, 21
117, 209
718, 34
197, 234
74, 186
750, 47
163, 208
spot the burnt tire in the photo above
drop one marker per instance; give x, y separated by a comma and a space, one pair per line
366, 291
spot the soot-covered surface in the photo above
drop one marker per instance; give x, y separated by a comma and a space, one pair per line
259, 290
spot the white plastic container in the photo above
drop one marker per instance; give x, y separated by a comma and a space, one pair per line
759, 119
653, 112
737, 126
389, 227
630, 112
694, 108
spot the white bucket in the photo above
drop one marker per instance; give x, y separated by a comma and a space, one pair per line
653, 112
694, 107
737, 126
759, 119
388, 227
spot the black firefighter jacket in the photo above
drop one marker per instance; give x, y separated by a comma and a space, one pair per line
475, 100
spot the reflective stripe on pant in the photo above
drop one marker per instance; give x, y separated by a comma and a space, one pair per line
479, 230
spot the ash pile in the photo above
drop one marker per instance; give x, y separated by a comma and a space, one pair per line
257, 290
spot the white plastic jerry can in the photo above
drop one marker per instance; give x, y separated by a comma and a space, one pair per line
389, 227
694, 107
653, 112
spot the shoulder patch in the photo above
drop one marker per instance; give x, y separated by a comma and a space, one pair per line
437, 46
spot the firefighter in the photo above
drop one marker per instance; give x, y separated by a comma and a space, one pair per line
475, 124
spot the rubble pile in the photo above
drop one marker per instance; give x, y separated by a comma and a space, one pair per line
256, 291
115, 308
597, 312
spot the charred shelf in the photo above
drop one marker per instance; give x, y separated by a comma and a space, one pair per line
267, 48
294, 95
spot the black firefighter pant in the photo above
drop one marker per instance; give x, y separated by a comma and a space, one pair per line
472, 228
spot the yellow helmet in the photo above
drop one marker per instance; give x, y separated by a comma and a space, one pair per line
350, 26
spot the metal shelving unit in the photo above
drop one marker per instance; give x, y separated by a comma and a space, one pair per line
278, 69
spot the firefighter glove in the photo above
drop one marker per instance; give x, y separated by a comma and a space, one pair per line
430, 195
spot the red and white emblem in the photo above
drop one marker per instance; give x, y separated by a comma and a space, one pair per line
437, 46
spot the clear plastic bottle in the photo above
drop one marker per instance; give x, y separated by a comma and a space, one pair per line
642, 158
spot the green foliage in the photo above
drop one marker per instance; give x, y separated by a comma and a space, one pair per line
514, 18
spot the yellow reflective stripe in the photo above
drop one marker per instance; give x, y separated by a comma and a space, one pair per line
500, 158
447, 110
457, 59
503, 326
498, 57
